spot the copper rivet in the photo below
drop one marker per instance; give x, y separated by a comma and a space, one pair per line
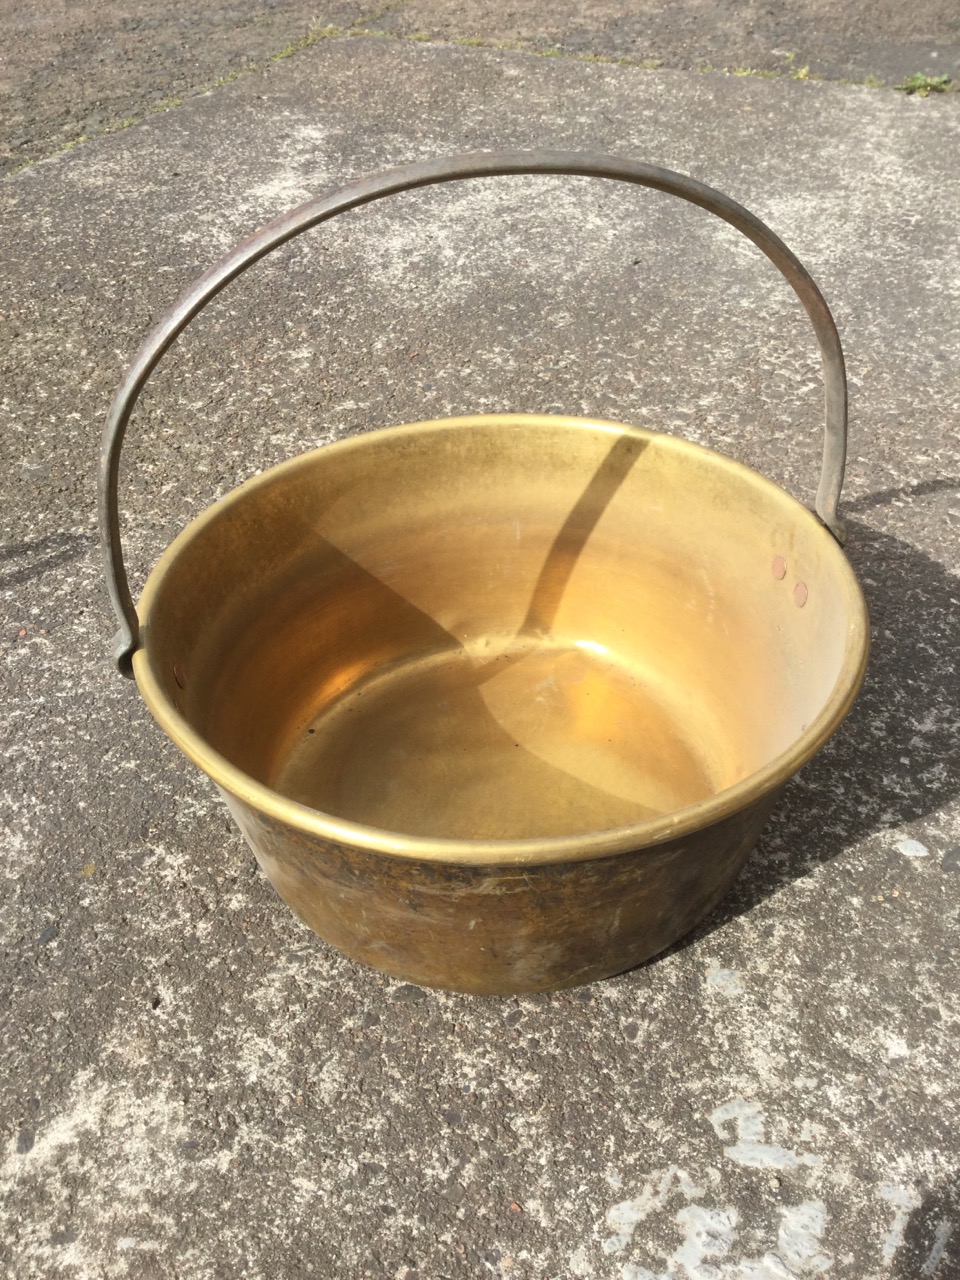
779, 568
800, 594
178, 675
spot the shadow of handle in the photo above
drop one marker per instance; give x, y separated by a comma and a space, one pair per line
430, 173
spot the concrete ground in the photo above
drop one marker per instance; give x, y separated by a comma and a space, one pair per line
193, 1085
71, 71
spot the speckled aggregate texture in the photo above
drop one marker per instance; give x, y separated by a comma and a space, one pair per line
193, 1085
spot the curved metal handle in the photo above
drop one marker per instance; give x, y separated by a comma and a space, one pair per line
482, 165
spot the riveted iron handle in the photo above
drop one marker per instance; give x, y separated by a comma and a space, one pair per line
481, 165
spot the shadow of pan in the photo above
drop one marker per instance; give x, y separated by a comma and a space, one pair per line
21, 562
931, 1238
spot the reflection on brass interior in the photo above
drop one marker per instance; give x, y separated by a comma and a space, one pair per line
435, 637
525, 737
541, 741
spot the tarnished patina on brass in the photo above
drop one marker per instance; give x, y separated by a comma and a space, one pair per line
485, 928
501, 703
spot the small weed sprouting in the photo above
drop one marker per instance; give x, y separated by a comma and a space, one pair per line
795, 72
923, 85
312, 37
232, 75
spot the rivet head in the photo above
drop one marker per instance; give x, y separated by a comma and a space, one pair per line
779, 568
800, 594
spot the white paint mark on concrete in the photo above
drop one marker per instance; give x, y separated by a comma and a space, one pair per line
941, 1239
750, 1149
764, 1155
580, 1262
769, 1267
912, 849
708, 1233
799, 1238
725, 981
904, 1201
896, 1047
624, 1217
746, 1116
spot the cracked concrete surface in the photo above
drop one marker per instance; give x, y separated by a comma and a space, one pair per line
195, 1086
71, 72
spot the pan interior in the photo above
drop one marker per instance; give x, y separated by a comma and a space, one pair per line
542, 739
502, 628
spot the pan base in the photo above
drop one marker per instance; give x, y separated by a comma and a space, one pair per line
539, 741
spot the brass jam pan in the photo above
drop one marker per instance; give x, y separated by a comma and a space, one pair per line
501, 703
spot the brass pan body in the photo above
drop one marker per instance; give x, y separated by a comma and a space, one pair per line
502, 703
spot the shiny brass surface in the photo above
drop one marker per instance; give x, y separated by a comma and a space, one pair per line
541, 740
501, 703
